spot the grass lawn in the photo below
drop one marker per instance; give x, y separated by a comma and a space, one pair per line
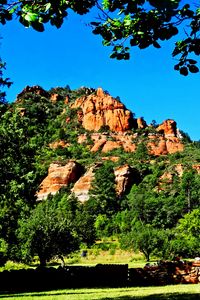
172, 292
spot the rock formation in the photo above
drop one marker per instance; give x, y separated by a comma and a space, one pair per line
82, 186
157, 144
125, 177
100, 109
58, 144
168, 128
36, 89
178, 169
55, 97
58, 177
110, 127
141, 123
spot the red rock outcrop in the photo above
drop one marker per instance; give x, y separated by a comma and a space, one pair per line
66, 100
55, 97
157, 144
111, 158
57, 144
100, 110
197, 168
125, 176
141, 123
58, 177
164, 146
168, 128
82, 186
174, 145
178, 169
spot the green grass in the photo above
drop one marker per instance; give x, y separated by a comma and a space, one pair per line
173, 292
94, 256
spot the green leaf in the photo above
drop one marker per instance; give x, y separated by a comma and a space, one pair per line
133, 42
13, 9
113, 55
48, 6
127, 22
156, 45
95, 23
38, 26
184, 71
192, 61
126, 56
177, 67
31, 17
106, 43
193, 69
106, 4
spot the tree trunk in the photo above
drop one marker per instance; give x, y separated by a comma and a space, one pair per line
189, 200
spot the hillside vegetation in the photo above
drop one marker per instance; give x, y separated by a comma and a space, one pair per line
78, 167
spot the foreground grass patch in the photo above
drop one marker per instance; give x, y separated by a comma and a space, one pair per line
172, 292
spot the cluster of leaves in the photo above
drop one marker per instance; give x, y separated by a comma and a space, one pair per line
143, 25
40, 12
139, 23
50, 230
4, 82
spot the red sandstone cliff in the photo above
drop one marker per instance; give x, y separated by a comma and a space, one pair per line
94, 111
100, 109
58, 177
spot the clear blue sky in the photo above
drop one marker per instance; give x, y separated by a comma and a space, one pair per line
146, 84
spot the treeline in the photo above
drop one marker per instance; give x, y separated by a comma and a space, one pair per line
157, 217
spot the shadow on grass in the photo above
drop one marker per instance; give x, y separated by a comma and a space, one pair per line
168, 296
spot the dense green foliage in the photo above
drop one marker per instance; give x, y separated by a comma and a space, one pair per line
156, 216
122, 24
50, 230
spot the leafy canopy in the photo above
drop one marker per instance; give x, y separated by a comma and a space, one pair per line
122, 24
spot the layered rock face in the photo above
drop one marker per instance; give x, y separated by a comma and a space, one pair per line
100, 109
157, 144
125, 177
82, 186
58, 177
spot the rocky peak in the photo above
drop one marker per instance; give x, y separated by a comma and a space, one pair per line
36, 89
141, 123
168, 128
100, 93
100, 109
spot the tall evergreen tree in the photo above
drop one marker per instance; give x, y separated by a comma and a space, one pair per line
103, 198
